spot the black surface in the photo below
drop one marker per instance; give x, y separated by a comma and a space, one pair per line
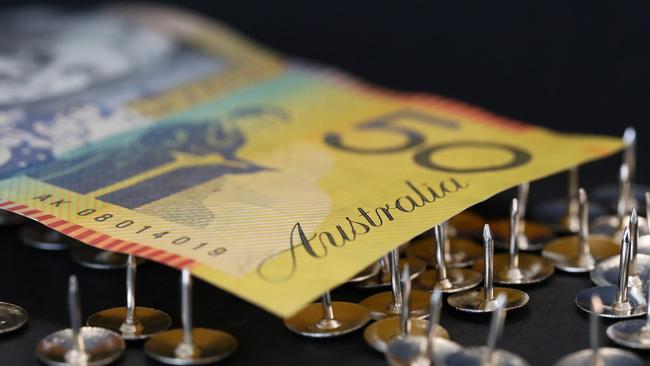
571, 66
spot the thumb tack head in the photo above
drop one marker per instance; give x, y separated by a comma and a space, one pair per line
596, 355
77, 345
188, 345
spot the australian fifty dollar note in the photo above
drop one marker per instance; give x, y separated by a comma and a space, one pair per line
151, 131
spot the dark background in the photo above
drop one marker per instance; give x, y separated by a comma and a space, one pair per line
570, 66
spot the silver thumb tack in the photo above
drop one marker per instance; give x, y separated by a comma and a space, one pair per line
188, 345
596, 355
77, 345
618, 301
489, 354
132, 322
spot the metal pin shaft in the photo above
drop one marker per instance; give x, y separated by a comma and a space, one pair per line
405, 324
488, 280
522, 198
496, 327
186, 306
583, 231
623, 193
629, 155
396, 286
445, 238
634, 242
328, 311
384, 267
594, 325
441, 267
621, 296
130, 290
514, 233
434, 319
74, 308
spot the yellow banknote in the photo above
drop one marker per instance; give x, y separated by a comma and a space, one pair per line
273, 179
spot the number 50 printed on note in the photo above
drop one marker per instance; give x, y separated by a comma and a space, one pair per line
273, 179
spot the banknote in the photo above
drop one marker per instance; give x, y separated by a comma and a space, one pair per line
152, 131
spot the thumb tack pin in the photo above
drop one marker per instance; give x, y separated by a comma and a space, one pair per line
489, 355
132, 322
596, 355
189, 346
531, 235
608, 194
406, 350
484, 300
389, 303
613, 225
381, 332
606, 272
77, 345
447, 280
328, 319
459, 252
40, 236
633, 333
618, 301
579, 253
562, 213
517, 268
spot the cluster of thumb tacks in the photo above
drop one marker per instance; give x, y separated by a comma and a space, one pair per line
616, 255
102, 340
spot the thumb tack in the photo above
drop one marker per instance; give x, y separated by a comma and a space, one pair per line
381, 332
618, 301
488, 355
608, 194
447, 280
633, 333
387, 304
531, 235
562, 213
516, 268
579, 253
606, 272
12, 317
459, 252
596, 355
613, 225
132, 322
406, 350
190, 346
328, 319
484, 300
79, 346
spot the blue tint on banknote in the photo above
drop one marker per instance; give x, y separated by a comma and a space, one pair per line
188, 154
